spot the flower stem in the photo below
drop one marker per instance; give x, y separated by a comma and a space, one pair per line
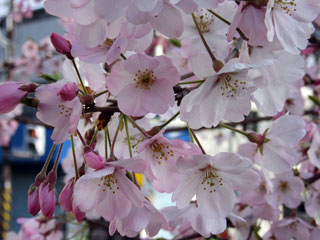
106, 133
101, 93
185, 76
115, 139
93, 137
134, 124
197, 140
55, 166
233, 129
74, 158
190, 134
79, 76
129, 146
128, 135
81, 138
170, 120
217, 65
191, 82
123, 56
46, 164
242, 35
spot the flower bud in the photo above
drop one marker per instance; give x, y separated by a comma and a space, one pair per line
68, 91
47, 199
65, 197
61, 45
78, 214
10, 96
94, 160
256, 138
33, 200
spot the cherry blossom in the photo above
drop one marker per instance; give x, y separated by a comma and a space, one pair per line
212, 180
111, 192
146, 81
52, 105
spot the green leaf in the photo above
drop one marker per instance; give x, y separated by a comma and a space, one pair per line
315, 100
175, 42
50, 78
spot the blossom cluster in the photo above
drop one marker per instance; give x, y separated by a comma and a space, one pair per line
220, 60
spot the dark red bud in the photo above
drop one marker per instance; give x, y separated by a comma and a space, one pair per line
61, 45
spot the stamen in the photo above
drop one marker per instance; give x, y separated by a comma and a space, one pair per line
161, 152
109, 182
289, 6
144, 79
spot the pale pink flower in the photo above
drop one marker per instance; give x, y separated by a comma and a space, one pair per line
161, 156
109, 191
289, 228
255, 196
160, 14
30, 49
146, 217
119, 37
276, 154
291, 23
82, 13
54, 111
250, 19
192, 215
143, 84
39, 228
279, 78
312, 205
287, 189
314, 150
266, 211
212, 180
214, 32
224, 95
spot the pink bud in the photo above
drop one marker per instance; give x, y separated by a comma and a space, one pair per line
94, 160
68, 91
65, 198
78, 214
47, 199
10, 96
62, 45
256, 138
33, 200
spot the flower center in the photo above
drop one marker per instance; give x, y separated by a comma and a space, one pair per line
161, 152
107, 43
109, 182
211, 180
284, 186
205, 20
230, 86
289, 6
145, 79
65, 111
